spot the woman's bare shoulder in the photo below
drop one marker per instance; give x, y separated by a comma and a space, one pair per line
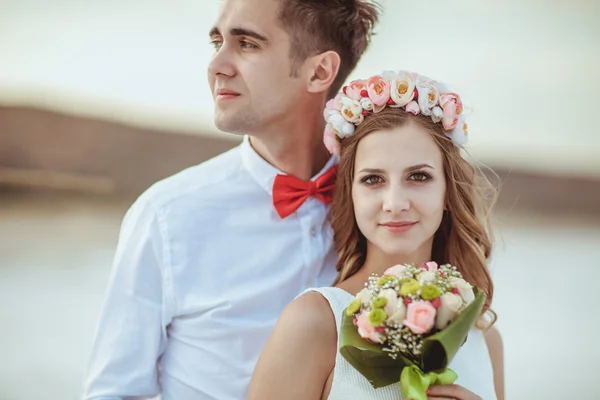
309, 315
300, 354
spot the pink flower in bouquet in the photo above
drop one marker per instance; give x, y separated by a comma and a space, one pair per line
366, 330
420, 317
431, 266
396, 270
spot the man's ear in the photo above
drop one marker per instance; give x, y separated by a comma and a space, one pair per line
323, 69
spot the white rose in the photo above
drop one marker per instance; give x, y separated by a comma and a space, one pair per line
402, 88
450, 304
437, 114
426, 277
428, 94
341, 127
392, 300
464, 287
365, 296
352, 111
366, 104
399, 314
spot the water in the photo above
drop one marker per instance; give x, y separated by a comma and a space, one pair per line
56, 252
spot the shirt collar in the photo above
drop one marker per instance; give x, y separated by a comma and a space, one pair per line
263, 172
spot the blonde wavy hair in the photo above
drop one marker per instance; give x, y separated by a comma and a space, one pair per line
464, 237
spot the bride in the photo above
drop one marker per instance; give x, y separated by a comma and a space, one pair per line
404, 195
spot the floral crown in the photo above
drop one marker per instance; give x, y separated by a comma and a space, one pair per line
414, 93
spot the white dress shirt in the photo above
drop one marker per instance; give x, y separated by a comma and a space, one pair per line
203, 268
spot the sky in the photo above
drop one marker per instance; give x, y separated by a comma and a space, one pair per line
526, 70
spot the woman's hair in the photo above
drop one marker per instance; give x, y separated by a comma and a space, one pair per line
464, 236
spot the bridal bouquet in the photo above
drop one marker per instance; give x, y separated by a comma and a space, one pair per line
408, 324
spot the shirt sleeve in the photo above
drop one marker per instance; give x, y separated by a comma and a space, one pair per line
131, 333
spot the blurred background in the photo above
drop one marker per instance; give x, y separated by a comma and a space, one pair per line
98, 100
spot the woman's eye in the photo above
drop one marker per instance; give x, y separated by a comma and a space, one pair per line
372, 180
419, 177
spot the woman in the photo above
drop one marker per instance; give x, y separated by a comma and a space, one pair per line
404, 195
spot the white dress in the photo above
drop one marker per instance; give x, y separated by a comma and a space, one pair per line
472, 363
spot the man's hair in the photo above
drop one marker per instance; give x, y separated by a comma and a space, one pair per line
316, 26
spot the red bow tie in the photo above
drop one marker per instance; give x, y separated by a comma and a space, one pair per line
290, 192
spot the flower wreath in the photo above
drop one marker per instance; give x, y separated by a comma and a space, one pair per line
414, 93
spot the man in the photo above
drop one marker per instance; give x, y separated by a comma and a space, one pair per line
208, 258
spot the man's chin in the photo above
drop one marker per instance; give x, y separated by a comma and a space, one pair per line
228, 126
234, 124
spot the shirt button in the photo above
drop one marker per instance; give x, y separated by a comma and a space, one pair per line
313, 231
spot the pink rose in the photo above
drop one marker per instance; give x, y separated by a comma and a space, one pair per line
330, 139
420, 317
452, 107
396, 270
413, 107
366, 330
378, 90
355, 88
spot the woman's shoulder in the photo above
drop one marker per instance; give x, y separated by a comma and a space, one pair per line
306, 332
300, 354
310, 316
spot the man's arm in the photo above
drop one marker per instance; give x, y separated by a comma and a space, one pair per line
131, 333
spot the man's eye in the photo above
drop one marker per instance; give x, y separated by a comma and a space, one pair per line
248, 45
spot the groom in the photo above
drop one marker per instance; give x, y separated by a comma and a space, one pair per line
208, 258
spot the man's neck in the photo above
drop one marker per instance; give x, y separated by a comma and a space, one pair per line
296, 149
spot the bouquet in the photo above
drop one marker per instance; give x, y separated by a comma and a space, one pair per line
408, 324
